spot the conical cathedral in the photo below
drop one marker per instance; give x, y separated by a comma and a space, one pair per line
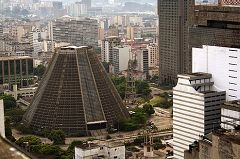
75, 95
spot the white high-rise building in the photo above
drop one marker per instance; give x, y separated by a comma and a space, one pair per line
77, 9
196, 110
142, 61
224, 65
107, 46
121, 57
2, 125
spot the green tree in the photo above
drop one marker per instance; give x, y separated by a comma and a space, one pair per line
120, 84
139, 118
143, 88
15, 114
47, 149
70, 150
24, 129
139, 141
39, 70
148, 108
57, 136
8, 130
32, 140
9, 101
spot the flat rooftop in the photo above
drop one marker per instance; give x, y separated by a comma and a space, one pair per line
232, 105
114, 144
112, 37
5, 58
74, 47
229, 135
218, 8
109, 144
208, 92
195, 76
88, 146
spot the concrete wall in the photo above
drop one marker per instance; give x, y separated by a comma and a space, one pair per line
224, 65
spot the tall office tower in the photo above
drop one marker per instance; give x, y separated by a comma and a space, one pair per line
76, 31
2, 125
196, 110
174, 57
107, 46
217, 25
88, 3
75, 95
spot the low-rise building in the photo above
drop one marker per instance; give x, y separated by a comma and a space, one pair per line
221, 144
230, 114
16, 70
21, 92
110, 150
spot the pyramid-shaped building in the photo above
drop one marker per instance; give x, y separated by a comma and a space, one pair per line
75, 95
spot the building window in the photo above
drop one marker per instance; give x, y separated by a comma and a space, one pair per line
148, 149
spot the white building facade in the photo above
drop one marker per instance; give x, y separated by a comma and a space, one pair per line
107, 46
196, 110
121, 57
142, 56
108, 151
224, 65
2, 125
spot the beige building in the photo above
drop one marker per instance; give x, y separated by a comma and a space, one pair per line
220, 144
113, 31
101, 34
153, 55
133, 32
